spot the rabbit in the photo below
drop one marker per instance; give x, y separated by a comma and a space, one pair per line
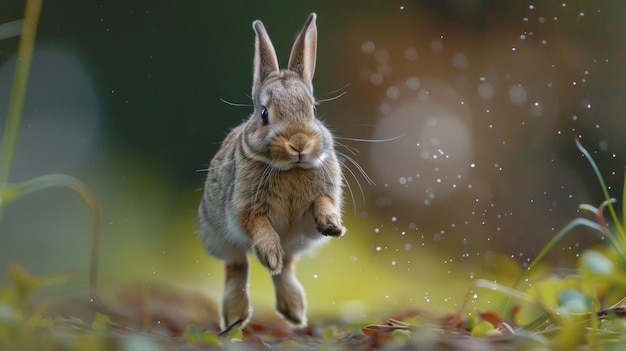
275, 185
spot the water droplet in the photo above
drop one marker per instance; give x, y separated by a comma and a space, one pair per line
410, 53
368, 47
536, 109
517, 94
486, 90
376, 78
413, 83
459, 61
393, 92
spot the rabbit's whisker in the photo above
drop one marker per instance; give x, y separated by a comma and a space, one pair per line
352, 149
371, 140
345, 180
214, 167
359, 168
236, 104
356, 179
319, 101
332, 93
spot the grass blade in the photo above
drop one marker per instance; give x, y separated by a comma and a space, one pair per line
605, 191
18, 91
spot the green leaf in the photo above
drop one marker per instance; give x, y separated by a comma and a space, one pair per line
574, 301
331, 332
482, 329
596, 263
101, 322
25, 282
235, 334
196, 336
401, 336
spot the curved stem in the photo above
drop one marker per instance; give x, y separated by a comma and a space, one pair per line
66, 181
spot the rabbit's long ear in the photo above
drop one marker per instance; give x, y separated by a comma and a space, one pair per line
265, 61
303, 52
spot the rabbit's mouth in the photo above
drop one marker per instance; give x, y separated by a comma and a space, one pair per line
300, 160
298, 150
305, 160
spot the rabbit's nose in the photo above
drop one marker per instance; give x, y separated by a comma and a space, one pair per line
299, 142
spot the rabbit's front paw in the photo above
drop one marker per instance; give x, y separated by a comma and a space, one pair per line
270, 253
330, 225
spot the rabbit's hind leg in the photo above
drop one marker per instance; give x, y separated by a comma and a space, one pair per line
290, 296
236, 308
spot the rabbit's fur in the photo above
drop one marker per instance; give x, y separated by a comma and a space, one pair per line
275, 185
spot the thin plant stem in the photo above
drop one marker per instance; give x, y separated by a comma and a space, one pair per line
605, 191
624, 203
20, 81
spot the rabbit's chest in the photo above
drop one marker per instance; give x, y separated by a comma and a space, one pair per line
290, 199
293, 193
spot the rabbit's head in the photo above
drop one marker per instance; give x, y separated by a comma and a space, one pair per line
284, 131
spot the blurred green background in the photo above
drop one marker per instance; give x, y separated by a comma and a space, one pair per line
487, 96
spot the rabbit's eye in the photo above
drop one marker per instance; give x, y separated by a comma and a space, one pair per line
314, 110
264, 115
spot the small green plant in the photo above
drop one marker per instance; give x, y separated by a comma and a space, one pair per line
569, 309
616, 238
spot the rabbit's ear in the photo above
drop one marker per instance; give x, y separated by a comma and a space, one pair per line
303, 52
265, 61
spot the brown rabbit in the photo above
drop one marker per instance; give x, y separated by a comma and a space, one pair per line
275, 185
